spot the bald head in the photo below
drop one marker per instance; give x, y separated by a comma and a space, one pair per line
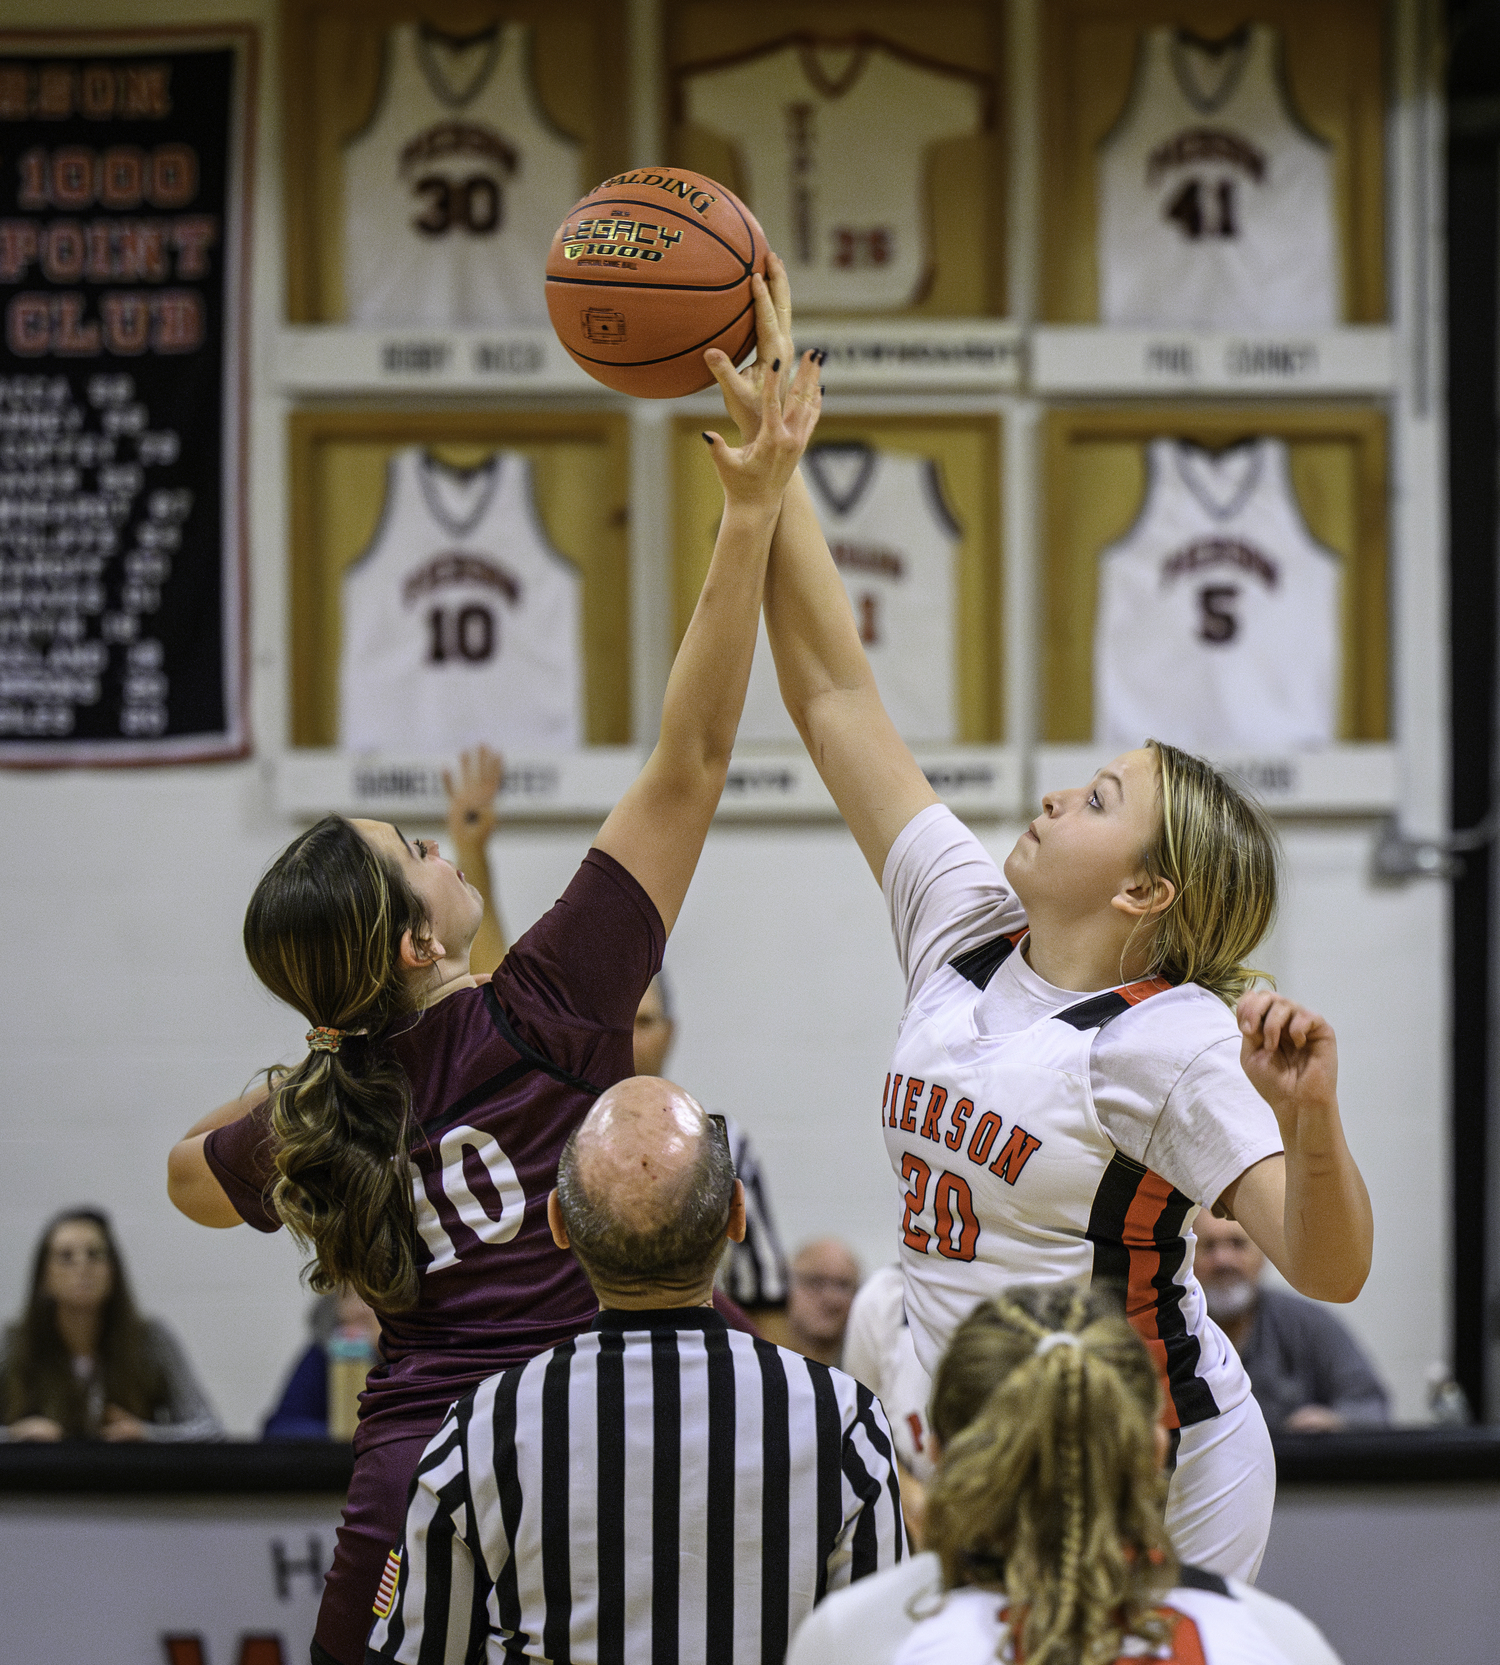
645, 1191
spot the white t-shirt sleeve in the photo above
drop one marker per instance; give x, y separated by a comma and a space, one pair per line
1171, 1095
945, 894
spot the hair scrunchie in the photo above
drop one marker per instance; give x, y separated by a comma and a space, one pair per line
324, 1038
1057, 1338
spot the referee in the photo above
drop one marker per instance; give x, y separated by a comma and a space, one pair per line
660, 1488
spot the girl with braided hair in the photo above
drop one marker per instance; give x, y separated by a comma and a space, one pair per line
1084, 1060
413, 1148
1046, 1510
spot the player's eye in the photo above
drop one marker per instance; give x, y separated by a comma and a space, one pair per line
1094, 801
422, 847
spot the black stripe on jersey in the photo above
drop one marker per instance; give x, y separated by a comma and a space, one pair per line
1200, 1578
610, 1506
1190, 1393
829, 1441
666, 1476
557, 1574
537, 1060
1093, 1014
1191, 1397
981, 963
508, 1484
438, 1561
482, 1094
718, 1595
775, 1504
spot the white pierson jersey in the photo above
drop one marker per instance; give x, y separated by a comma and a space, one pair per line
454, 189
878, 1351
832, 138
461, 623
895, 544
1218, 619
1215, 203
1008, 1176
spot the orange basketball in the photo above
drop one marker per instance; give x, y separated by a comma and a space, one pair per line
647, 272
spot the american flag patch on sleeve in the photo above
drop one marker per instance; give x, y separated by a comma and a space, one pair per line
385, 1596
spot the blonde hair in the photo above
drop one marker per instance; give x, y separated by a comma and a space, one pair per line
1049, 1487
1221, 854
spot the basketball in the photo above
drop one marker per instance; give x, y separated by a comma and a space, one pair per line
647, 272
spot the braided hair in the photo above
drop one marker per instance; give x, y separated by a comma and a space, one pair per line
1049, 1487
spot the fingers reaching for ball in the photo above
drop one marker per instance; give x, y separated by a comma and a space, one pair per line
757, 472
772, 298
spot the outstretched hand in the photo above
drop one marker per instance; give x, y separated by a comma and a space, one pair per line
743, 389
471, 802
1289, 1053
756, 473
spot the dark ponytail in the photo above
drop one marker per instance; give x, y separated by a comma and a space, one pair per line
323, 932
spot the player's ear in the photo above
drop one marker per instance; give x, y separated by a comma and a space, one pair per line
737, 1213
1142, 897
555, 1220
417, 956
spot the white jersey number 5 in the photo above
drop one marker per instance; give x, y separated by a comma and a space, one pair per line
471, 1212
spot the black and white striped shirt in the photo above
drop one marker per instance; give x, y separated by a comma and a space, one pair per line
661, 1489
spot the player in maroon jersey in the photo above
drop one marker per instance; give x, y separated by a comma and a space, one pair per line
478, 1083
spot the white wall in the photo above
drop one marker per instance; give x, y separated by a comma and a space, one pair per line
129, 1009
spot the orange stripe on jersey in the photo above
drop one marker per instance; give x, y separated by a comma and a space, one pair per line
1186, 1645
1136, 1226
1135, 993
1139, 1236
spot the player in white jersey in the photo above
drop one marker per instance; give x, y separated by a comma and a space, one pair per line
454, 188
1215, 203
1218, 613
461, 623
895, 543
1079, 1004
878, 1351
832, 139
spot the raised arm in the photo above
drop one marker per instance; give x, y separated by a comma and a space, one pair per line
192, 1185
471, 820
1309, 1209
826, 681
657, 829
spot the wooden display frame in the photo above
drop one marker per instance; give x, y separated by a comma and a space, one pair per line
963, 175
1335, 70
332, 52
580, 470
967, 451
1095, 484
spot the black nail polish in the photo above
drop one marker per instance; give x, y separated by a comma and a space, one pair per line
708, 438
775, 363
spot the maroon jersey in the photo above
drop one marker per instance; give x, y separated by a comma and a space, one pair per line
500, 1076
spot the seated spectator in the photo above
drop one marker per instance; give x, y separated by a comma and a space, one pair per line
822, 1286
81, 1363
302, 1413
753, 1273
661, 1487
1306, 1370
1048, 1491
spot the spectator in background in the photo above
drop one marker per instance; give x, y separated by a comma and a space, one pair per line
1306, 1370
825, 1277
659, 1487
302, 1413
753, 1275
81, 1363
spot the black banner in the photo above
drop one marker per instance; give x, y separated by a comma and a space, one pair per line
122, 256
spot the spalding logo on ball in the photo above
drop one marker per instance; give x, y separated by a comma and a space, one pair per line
650, 270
